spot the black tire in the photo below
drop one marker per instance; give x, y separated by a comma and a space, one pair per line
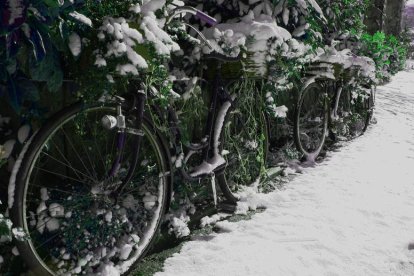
353, 115
370, 105
63, 197
311, 120
245, 137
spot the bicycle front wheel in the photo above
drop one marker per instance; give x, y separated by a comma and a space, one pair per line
244, 141
311, 121
65, 200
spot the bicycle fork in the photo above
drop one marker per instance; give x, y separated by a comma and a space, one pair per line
119, 122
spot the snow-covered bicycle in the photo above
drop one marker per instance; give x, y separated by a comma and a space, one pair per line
96, 179
333, 104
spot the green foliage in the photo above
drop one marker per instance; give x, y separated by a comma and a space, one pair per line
30, 50
388, 52
345, 16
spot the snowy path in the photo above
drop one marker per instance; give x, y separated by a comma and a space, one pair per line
351, 215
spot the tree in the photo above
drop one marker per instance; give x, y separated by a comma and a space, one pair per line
374, 19
393, 16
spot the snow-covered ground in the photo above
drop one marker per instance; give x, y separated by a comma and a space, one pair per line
351, 215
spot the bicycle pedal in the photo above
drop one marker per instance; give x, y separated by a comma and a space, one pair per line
227, 207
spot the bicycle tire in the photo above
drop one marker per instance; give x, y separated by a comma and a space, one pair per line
311, 121
354, 114
90, 231
246, 138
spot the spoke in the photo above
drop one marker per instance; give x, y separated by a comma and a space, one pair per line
76, 152
41, 225
37, 215
129, 191
69, 166
59, 190
58, 174
48, 240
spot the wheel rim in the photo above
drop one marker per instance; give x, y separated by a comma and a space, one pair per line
312, 120
73, 223
353, 114
244, 141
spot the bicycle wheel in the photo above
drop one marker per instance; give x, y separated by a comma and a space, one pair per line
244, 140
353, 114
64, 197
311, 121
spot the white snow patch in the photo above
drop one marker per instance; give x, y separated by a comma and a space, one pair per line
23, 133
149, 201
16, 9
7, 148
81, 18
212, 219
15, 251
52, 224
75, 44
56, 210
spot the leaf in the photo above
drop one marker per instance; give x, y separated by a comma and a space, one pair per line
36, 40
52, 3
55, 82
49, 69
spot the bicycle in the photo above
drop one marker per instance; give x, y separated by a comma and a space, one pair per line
96, 179
328, 107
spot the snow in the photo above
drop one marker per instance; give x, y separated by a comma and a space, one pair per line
8, 148
52, 224
126, 68
126, 250
108, 216
179, 161
15, 251
16, 167
149, 201
75, 44
136, 59
281, 111
19, 234
122, 268
81, 18
16, 9
56, 210
234, 36
180, 227
350, 215
212, 219
23, 133
217, 160
109, 270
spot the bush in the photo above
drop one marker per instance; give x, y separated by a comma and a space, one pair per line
388, 52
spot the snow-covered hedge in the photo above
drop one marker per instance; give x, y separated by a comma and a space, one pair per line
124, 42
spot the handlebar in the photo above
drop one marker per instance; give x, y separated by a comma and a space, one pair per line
197, 13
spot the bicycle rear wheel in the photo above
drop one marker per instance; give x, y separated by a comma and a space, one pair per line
244, 141
354, 114
64, 197
311, 120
